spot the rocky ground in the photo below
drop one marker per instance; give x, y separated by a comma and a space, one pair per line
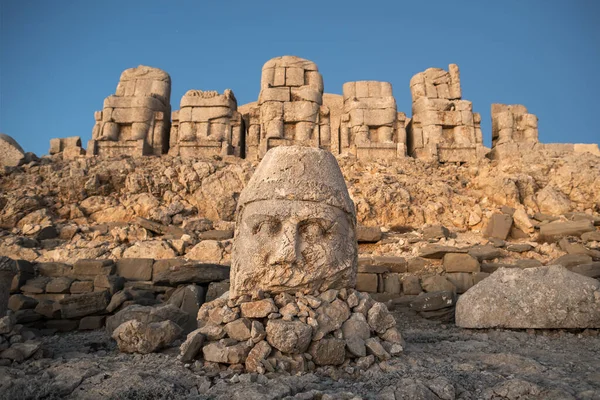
439, 362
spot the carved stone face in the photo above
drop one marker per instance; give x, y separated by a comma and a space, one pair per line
290, 245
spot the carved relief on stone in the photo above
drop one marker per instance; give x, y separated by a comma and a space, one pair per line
295, 229
136, 119
370, 125
206, 124
443, 127
290, 107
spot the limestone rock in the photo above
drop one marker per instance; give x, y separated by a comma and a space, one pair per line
221, 352
380, 319
289, 336
11, 154
460, 263
258, 309
328, 351
545, 298
553, 202
555, 230
192, 346
146, 315
137, 337
259, 352
498, 226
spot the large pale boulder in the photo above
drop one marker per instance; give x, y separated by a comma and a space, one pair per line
549, 297
11, 154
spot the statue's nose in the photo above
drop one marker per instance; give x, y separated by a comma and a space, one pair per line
286, 246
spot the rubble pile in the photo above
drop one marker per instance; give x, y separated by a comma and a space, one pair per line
294, 334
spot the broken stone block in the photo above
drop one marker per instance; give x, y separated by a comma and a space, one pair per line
435, 232
375, 348
460, 263
146, 314
59, 285
135, 269
78, 306
111, 283
556, 230
89, 269
256, 356
54, 269
433, 301
437, 283
18, 302
258, 309
137, 337
328, 351
571, 260
221, 352
36, 285
392, 284
498, 226
379, 318
193, 273
289, 336
463, 281
192, 346
48, 308
79, 287
240, 329
411, 285
366, 282
368, 234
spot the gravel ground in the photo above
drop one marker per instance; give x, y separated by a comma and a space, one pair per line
440, 361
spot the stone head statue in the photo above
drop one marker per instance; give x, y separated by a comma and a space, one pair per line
295, 228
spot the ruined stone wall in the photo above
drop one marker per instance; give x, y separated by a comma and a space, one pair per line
371, 126
444, 127
207, 124
135, 121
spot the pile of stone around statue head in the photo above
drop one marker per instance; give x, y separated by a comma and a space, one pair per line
291, 305
294, 333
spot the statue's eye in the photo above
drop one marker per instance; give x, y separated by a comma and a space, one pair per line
312, 231
268, 227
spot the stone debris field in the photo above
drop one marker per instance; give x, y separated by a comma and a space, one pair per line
304, 246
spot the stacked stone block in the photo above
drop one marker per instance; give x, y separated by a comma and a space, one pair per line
70, 147
135, 121
444, 127
80, 296
290, 108
370, 125
207, 124
512, 123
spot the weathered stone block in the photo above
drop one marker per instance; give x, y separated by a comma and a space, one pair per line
460, 263
135, 269
366, 282
498, 226
84, 304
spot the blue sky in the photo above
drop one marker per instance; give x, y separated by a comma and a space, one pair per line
59, 59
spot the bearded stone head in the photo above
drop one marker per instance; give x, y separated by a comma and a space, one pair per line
295, 229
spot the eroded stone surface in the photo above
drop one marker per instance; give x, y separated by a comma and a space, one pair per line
296, 226
543, 297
